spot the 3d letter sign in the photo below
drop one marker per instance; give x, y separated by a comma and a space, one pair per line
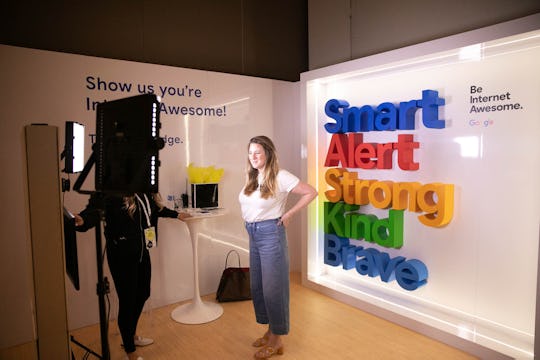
343, 220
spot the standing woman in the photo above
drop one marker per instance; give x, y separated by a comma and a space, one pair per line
263, 201
130, 231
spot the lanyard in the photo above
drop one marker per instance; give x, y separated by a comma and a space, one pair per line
146, 209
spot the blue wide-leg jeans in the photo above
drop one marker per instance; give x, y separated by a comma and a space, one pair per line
269, 274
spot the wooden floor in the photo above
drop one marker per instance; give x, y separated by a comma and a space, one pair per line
321, 328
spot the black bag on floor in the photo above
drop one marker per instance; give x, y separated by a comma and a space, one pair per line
234, 283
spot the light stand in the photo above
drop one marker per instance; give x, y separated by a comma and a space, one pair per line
126, 155
102, 287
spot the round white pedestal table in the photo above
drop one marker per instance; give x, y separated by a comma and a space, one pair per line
197, 311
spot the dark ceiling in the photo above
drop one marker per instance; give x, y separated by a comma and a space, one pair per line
257, 38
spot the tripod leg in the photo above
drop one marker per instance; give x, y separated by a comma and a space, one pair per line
102, 289
88, 350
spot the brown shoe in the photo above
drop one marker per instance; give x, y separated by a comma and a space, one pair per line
260, 341
267, 352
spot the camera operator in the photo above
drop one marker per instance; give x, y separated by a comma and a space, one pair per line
130, 231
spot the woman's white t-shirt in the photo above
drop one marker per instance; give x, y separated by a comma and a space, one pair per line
254, 208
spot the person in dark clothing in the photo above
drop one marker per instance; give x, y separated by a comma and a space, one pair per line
130, 230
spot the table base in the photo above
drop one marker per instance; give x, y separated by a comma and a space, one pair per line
197, 312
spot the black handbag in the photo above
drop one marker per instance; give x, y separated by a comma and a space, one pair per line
234, 284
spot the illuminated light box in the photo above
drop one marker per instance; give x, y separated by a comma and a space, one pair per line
74, 147
422, 137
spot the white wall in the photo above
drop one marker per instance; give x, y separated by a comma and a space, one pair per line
47, 87
288, 141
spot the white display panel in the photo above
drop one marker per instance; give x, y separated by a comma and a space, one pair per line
482, 264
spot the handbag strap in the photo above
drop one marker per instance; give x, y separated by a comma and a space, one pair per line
227, 258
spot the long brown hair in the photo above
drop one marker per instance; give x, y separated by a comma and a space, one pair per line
130, 203
271, 169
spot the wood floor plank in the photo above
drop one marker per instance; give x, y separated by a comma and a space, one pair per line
321, 328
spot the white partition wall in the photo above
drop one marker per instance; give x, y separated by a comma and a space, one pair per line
428, 170
207, 119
